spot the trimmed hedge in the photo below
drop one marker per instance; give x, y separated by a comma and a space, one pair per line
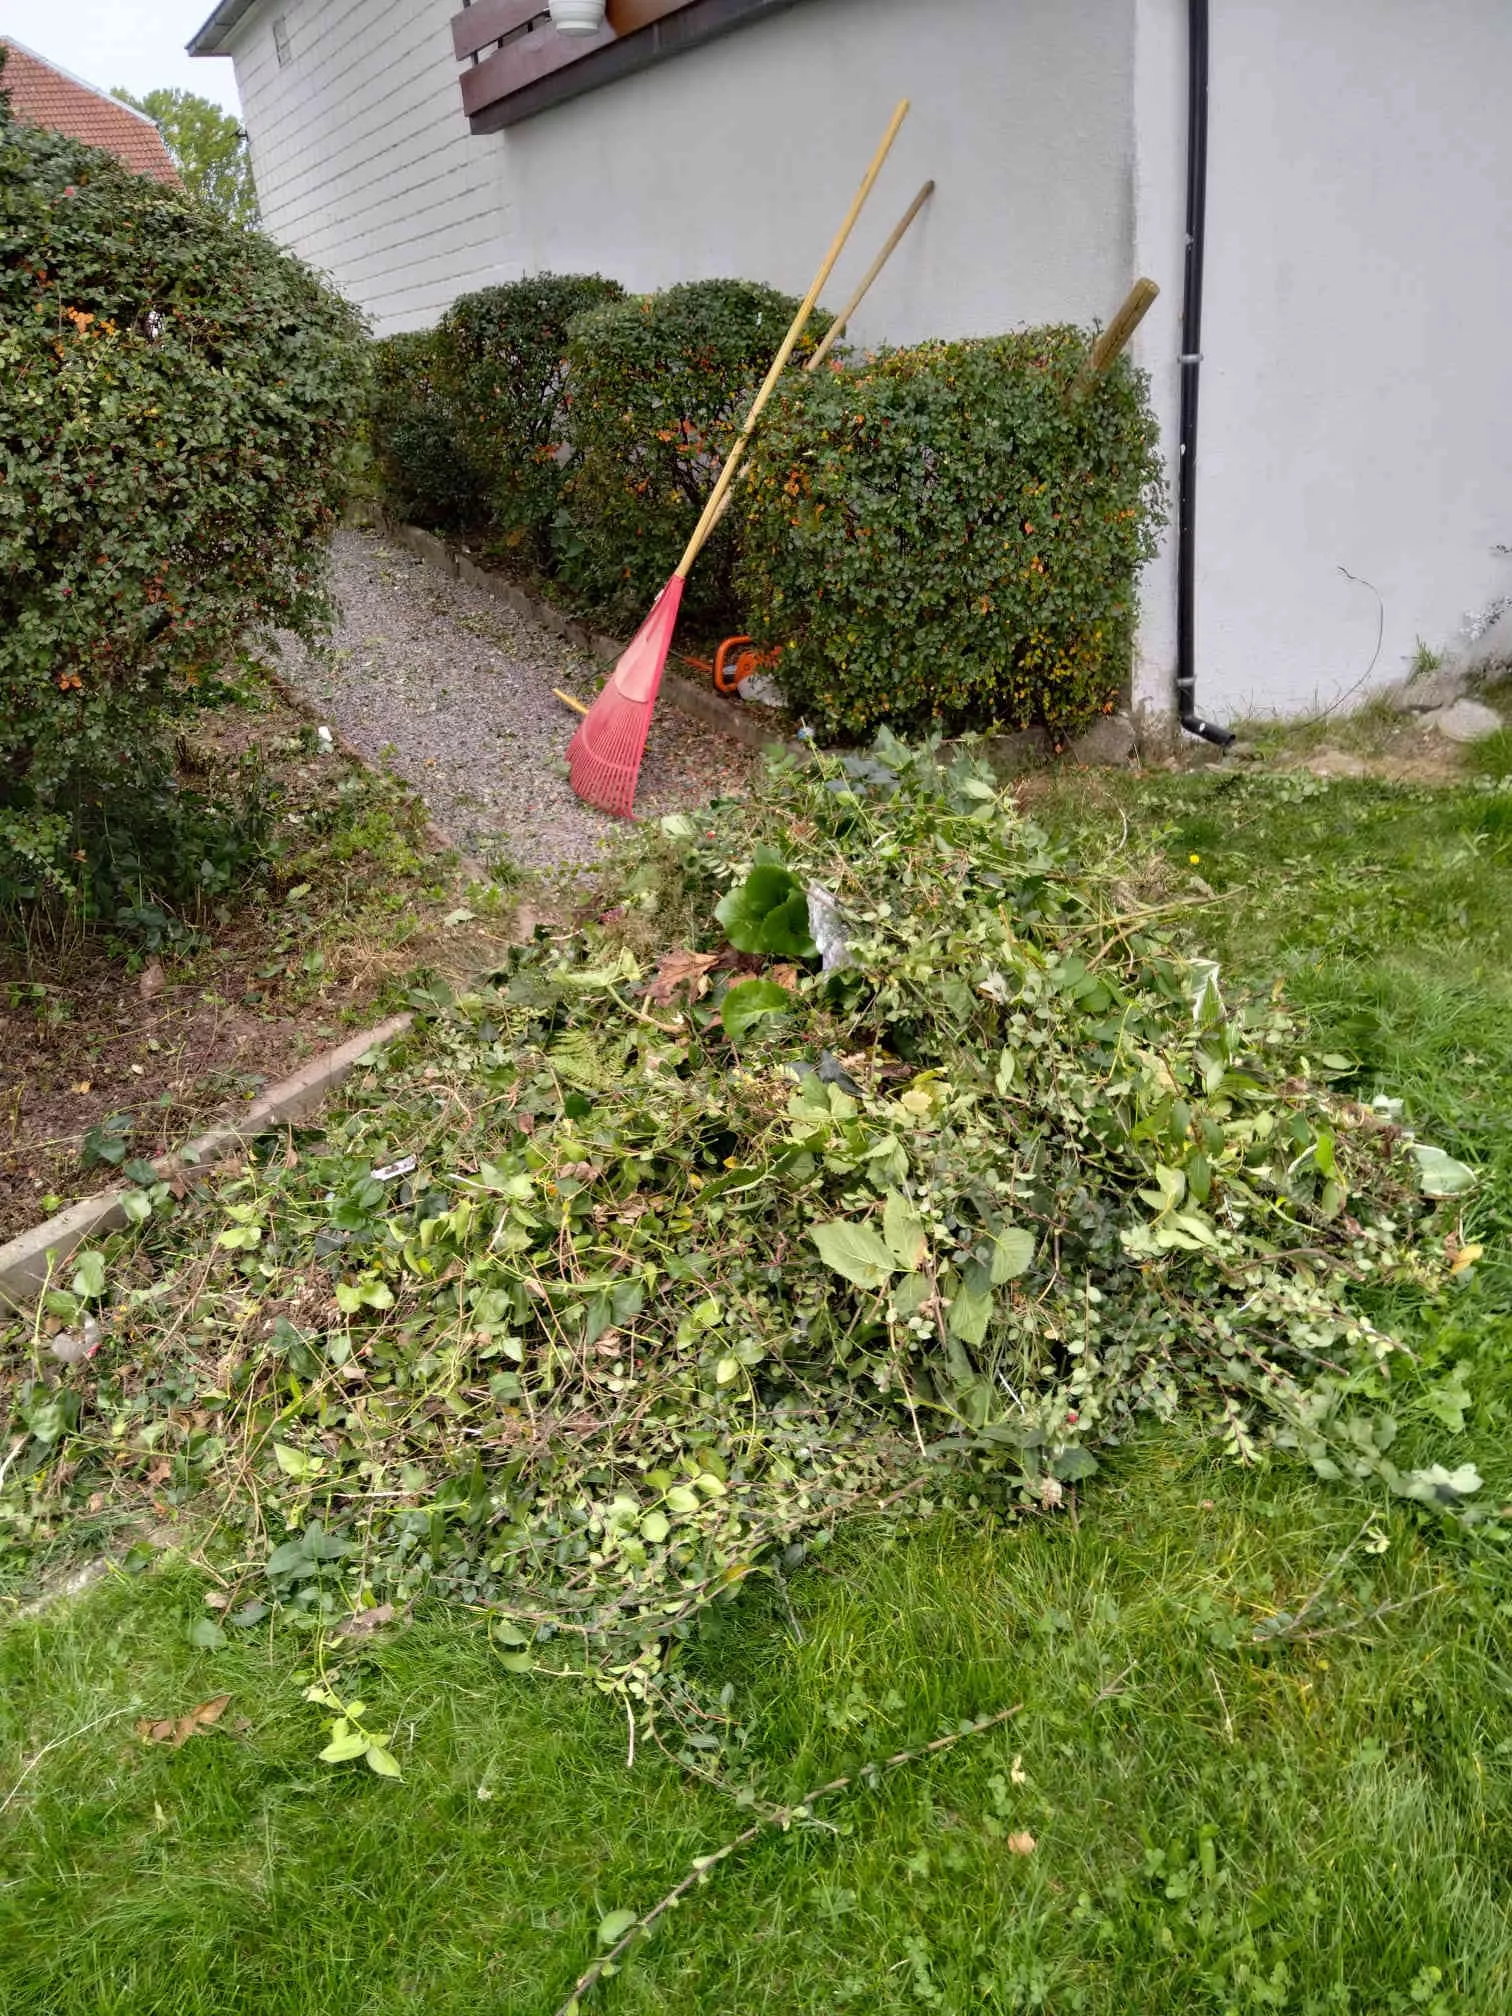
501, 370
945, 536
177, 405
659, 387
422, 474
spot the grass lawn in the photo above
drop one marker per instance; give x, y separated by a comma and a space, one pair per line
1264, 1754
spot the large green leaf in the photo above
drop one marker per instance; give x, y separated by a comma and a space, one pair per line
903, 1229
854, 1251
746, 1003
970, 1313
769, 913
1012, 1254
1439, 1174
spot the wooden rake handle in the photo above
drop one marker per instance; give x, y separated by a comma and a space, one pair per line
721, 490
837, 328
842, 321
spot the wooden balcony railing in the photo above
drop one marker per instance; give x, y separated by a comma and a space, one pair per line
517, 64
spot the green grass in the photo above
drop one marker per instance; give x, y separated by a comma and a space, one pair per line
1313, 1818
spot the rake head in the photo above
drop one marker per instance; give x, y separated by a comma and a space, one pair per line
604, 756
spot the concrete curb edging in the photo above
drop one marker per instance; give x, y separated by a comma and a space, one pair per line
32, 1257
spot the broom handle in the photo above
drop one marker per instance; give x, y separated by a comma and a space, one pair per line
789, 344
837, 328
842, 321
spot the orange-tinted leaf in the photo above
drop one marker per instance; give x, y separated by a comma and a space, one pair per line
682, 969
178, 1731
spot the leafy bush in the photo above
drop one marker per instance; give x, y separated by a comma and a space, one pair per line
944, 535
659, 386
176, 404
501, 363
422, 474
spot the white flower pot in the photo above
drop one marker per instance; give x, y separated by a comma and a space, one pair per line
577, 17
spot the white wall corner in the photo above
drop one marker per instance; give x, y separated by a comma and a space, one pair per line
1159, 206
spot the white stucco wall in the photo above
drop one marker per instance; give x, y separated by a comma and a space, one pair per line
1357, 383
736, 159
740, 157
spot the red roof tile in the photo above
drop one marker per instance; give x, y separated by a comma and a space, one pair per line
43, 96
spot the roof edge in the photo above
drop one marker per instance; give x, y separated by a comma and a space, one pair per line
213, 37
15, 42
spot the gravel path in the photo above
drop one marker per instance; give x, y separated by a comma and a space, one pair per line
453, 690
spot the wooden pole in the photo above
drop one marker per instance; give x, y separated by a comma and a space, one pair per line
842, 321
721, 489
1114, 340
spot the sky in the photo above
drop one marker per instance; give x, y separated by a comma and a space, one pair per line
138, 44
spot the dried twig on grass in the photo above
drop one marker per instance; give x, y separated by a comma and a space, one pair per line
781, 1816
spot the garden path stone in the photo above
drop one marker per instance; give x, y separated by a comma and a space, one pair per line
452, 689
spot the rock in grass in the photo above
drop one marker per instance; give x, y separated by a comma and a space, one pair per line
1465, 721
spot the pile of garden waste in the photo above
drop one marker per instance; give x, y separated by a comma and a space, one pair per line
860, 1150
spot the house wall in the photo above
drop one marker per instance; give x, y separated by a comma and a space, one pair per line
1356, 389
735, 159
362, 155
1357, 383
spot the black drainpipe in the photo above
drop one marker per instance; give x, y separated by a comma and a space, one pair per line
1191, 367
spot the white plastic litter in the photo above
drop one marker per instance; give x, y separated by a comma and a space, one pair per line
826, 929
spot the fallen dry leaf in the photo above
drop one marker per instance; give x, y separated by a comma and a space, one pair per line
151, 981
784, 976
1017, 1775
178, 1730
362, 1622
1021, 1844
682, 969
1466, 1258
82, 1086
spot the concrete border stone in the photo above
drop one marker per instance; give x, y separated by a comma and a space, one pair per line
28, 1260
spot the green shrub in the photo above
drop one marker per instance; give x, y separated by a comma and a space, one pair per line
659, 387
176, 404
422, 474
944, 535
500, 362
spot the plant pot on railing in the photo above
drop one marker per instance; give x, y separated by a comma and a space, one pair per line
577, 17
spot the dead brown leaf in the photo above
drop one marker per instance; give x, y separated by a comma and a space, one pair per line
1022, 1844
362, 1623
151, 981
785, 976
678, 970
177, 1730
